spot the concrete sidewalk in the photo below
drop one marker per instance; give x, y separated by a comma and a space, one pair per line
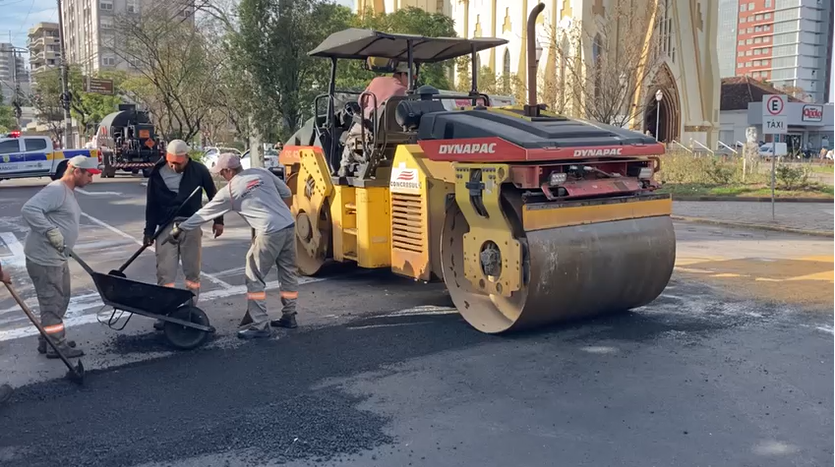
813, 218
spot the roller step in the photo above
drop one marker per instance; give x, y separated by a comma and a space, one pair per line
350, 231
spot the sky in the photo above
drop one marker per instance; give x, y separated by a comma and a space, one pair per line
20, 15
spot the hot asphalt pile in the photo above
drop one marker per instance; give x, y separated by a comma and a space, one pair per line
258, 398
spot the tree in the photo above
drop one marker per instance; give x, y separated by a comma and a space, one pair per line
275, 38
176, 73
86, 108
7, 119
604, 65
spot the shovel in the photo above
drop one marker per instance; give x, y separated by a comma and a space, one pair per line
76, 373
119, 272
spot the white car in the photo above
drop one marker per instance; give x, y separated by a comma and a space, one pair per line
270, 162
210, 157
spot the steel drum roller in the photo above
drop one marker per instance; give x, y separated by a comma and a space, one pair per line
568, 272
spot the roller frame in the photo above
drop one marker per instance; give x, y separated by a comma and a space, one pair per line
495, 227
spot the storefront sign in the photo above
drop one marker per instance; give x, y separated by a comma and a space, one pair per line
812, 113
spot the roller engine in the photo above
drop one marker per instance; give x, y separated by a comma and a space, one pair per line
527, 216
127, 141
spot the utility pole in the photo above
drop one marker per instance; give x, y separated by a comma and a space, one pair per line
65, 94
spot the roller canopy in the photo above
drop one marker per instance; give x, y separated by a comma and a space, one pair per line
360, 44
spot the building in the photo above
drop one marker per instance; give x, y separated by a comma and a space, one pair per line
13, 74
687, 75
726, 40
788, 43
810, 126
390, 6
44, 47
91, 35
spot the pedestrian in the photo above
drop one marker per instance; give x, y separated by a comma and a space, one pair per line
53, 218
171, 181
264, 201
5, 389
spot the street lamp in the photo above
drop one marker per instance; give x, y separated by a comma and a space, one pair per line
538, 50
658, 96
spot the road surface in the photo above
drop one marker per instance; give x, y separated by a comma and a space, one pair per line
732, 365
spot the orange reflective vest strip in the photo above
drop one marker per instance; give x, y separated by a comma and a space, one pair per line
257, 295
289, 295
54, 329
170, 284
192, 285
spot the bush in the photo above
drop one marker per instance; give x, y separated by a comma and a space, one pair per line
791, 178
196, 155
680, 167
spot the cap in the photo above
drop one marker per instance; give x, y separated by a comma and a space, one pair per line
227, 160
402, 67
176, 151
90, 164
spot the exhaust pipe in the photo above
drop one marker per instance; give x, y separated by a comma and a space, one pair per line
532, 109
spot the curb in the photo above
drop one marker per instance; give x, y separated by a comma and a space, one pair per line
775, 228
753, 199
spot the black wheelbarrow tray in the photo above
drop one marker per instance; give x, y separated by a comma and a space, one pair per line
185, 326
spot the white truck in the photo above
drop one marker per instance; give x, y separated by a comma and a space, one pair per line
34, 157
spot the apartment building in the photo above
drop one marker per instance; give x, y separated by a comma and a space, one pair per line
12, 72
787, 43
726, 40
91, 34
44, 47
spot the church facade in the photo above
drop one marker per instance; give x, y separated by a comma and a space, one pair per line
683, 65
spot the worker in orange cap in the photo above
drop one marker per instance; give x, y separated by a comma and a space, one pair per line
171, 181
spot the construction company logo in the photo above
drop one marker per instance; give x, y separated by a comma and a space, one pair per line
473, 148
598, 152
404, 180
250, 186
812, 113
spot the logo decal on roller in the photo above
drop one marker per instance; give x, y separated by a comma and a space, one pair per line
404, 180
598, 152
475, 148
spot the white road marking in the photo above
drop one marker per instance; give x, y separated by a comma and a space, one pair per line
599, 349
674, 297
826, 329
98, 193
73, 318
14, 246
391, 325
109, 227
422, 310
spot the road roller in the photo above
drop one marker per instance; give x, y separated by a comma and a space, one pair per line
528, 217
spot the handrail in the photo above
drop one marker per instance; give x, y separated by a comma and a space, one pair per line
711, 151
730, 148
683, 147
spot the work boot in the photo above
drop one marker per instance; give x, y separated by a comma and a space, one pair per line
69, 352
5, 393
286, 321
159, 325
255, 333
42, 346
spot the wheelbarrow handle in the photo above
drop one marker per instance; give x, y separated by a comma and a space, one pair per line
159, 231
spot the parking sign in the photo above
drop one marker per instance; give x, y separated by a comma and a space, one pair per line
775, 122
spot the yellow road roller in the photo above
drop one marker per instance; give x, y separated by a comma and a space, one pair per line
527, 216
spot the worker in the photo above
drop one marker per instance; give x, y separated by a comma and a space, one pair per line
5, 389
263, 200
383, 88
53, 218
171, 181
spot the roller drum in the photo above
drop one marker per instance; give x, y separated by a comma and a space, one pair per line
569, 272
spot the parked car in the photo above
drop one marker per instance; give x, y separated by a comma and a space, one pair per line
768, 150
270, 162
210, 157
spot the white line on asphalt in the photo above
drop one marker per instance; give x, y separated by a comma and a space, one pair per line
98, 193
70, 322
391, 325
825, 329
674, 297
18, 258
109, 227
421, 310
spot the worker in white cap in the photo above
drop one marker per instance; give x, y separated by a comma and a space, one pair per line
264, 201
53, 217
171, 181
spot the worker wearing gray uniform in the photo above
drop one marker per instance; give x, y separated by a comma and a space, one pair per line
263, 200
53, 217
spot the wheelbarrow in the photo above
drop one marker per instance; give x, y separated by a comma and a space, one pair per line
186, 326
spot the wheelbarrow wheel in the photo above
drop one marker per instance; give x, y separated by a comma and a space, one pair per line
184, 337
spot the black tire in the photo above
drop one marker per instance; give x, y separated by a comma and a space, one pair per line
183, 337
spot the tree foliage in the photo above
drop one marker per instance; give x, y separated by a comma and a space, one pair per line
7, 119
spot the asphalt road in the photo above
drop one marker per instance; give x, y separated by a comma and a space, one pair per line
731, 366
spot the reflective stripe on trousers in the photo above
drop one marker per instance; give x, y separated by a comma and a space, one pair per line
279, 249
188, 252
